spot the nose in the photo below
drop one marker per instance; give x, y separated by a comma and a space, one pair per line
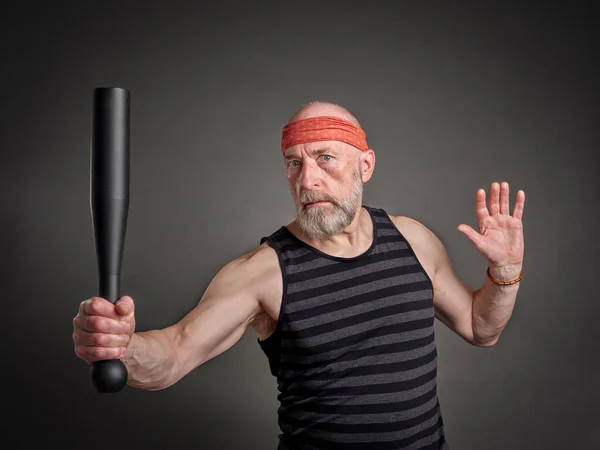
309, 176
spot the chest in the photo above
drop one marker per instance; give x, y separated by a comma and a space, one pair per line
395, 301
301, 308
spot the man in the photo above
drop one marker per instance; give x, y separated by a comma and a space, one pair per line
342, 299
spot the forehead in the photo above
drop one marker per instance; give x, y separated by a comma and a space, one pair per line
317, 148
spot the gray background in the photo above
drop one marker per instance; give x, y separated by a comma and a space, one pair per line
452, 95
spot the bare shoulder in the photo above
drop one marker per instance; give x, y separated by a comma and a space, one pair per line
426, 245
259, 269
414, 230
255, 268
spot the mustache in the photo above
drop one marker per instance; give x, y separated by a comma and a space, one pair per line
316, 196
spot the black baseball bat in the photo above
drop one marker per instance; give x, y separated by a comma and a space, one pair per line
109, 202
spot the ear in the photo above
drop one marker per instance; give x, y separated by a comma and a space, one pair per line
367, 165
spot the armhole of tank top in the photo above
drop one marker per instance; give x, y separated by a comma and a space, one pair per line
269, 340
412, 251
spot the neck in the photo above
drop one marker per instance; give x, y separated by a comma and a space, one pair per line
352, 241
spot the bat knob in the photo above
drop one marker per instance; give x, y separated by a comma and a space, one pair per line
108, 376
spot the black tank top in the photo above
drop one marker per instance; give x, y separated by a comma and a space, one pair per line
354, 351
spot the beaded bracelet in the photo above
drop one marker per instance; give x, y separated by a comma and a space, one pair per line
503, 283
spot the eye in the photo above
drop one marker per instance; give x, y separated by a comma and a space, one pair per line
293, 163
326, 157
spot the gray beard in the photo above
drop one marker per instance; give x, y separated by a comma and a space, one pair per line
324, 222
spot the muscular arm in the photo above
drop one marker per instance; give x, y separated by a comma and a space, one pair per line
476, 315
157, 359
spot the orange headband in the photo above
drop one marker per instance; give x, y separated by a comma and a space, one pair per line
323, 128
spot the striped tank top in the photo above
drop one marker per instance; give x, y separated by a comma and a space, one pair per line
353, 351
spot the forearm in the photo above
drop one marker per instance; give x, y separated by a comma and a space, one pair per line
151, 360
493, 305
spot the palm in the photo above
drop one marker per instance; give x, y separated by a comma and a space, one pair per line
500, 236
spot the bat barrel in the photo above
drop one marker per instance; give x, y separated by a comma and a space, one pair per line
109, 202
110, 184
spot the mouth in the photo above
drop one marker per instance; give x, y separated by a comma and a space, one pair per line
307, 205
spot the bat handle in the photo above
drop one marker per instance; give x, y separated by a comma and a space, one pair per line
110, 375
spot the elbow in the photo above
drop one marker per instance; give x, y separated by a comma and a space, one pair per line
477, 341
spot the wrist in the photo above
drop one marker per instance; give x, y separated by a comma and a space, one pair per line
505, 273
134, 343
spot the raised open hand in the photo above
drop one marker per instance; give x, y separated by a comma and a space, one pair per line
500, 236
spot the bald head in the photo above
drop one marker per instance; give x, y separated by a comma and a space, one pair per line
315, 109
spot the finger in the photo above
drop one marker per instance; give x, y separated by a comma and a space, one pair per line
99, 324
88, 339
494, 200
519, 205
504, 198
125, 307
98, 306
481, 210
92, 354
472, 235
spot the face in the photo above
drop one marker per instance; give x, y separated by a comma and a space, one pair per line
326, 184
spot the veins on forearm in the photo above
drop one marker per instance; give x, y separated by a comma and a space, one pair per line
150, 360
492, 307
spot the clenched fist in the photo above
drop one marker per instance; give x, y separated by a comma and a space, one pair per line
102, 330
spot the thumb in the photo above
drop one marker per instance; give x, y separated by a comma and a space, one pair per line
471, 234
124, 306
